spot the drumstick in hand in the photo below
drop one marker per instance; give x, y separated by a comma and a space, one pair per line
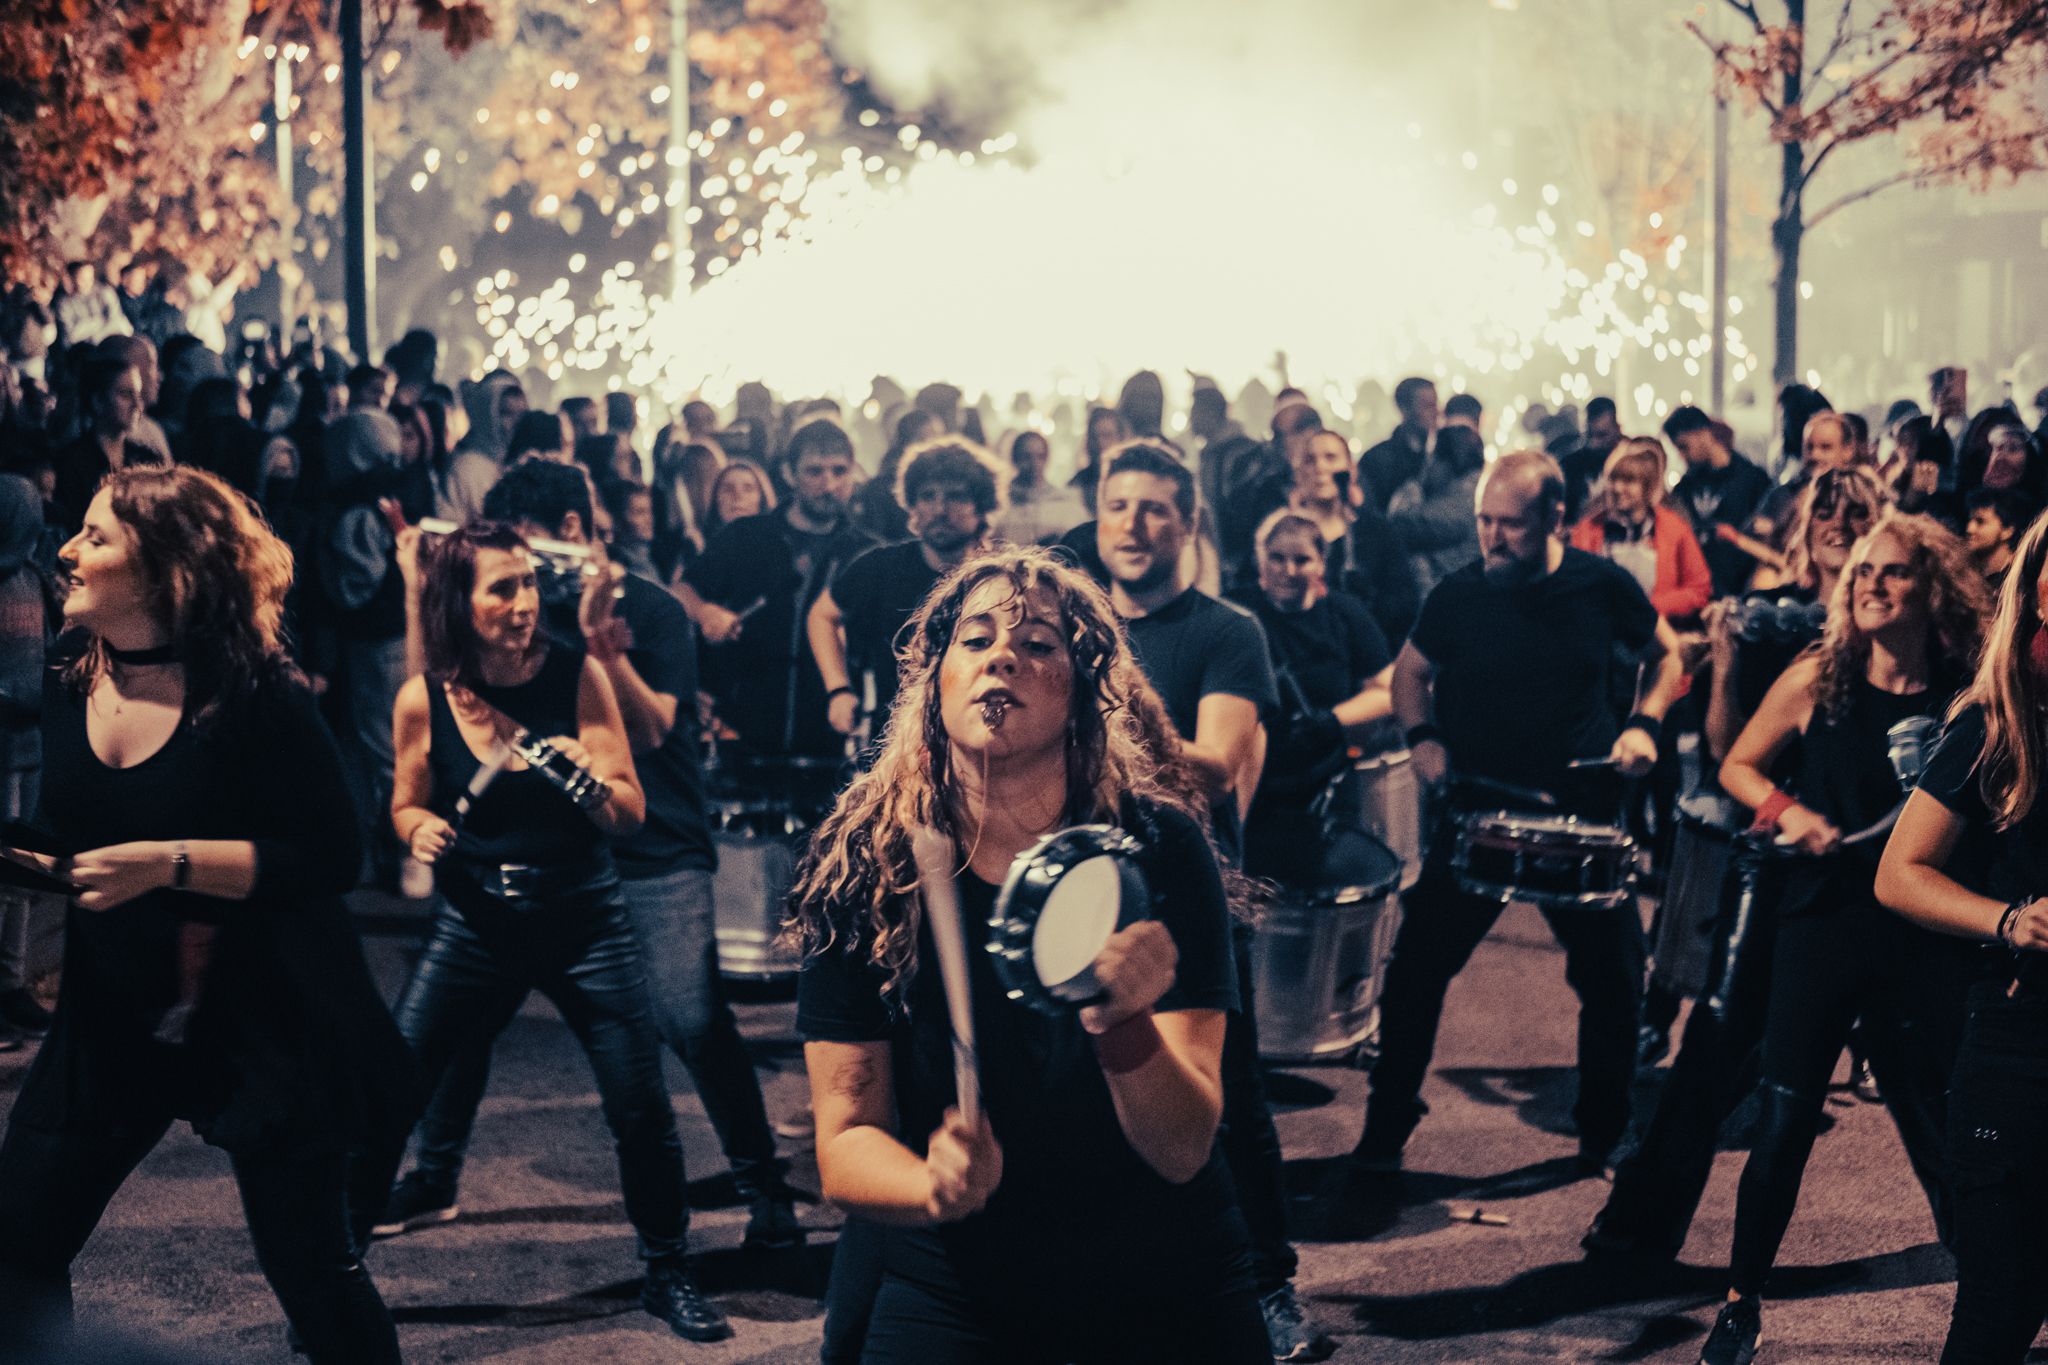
934, 854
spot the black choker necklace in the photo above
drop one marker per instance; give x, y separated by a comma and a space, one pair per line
140, 658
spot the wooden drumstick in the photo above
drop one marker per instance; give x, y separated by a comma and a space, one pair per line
934, 854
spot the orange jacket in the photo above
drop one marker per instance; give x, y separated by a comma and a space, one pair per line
1684, 587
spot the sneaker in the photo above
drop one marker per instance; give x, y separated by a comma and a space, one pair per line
1653, 1045
801, 1125
671, 1295
415, 1203
1864, 1082
19, 1008
1288, 1330
1737, 1332
771, 1221
11, 1039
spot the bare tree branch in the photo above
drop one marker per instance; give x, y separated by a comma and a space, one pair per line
1748, 11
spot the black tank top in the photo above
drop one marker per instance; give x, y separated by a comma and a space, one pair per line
522, 817
1844, 772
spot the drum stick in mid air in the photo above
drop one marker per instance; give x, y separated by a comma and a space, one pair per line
934, 854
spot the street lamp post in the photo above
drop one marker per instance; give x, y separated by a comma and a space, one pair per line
360, 252
679, 159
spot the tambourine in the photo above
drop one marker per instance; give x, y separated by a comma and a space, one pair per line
1065, 896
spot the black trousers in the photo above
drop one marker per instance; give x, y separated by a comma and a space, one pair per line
55, 1186
1657, 1187
1998, 1165
1251, 1150
1828, 971
1441, 925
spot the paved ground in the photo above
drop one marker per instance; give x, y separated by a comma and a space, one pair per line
540, 1268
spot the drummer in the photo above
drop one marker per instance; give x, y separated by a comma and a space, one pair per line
1022, 711
1658, 1188
1902, 635
1335, 673
1507, 679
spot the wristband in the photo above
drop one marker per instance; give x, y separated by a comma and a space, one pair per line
841, 692
1424, 733
2010, 918
1771, 811
1649, 725
181, 866
1129, 1045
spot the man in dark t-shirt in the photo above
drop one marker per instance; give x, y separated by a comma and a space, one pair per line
644, 641
751, 590
1507, 678
1720, 493
1207, 661
952, 489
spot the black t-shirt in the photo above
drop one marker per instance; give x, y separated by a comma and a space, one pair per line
1524, 673
2002, 864
769, 686
676, 836
1729, 496
878, 592
1329, 651
1077, 1208
1196, 645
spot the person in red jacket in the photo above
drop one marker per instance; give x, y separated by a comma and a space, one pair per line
1627, 522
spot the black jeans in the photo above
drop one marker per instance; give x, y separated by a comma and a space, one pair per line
1441, 925
1657, 1187
1998, 1164
576, 948
1251, 1144
55, 1186
672, 917
1829, 970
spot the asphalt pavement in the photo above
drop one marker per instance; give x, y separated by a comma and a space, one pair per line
540, 1266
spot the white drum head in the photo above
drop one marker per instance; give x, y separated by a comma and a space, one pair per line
1080, 915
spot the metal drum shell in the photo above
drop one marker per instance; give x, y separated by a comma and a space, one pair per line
1319, 959
1023, 896
759, 842
1380, 795
1694, 889
1554, 862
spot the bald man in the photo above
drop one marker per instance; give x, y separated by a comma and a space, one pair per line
1510, 676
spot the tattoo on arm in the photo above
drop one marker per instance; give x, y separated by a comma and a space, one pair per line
855, 1079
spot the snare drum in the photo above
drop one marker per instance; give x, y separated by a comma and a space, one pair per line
1381, 796
1555, 862
1320, 955
1682, 937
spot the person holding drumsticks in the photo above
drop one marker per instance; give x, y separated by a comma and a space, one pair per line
1902, 634
1970, 858
190, 780
530, 892
1507, 679
1022, 711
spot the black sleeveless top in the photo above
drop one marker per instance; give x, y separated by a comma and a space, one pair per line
1844, 772
521, 817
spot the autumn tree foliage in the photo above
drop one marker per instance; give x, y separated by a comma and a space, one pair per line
1955, 85
136, 127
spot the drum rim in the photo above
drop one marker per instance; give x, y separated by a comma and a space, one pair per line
1009, 945
1545, 900
1573, 829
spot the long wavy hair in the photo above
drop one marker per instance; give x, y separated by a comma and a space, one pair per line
217, 578
1957, 604
858, 876
2013, 693
1859, 485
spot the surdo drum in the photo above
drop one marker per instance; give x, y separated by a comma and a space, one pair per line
1065, 896
1703, 840
1556, 862
1320, 955
1380, 795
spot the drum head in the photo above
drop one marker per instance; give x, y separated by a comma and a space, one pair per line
1065, 896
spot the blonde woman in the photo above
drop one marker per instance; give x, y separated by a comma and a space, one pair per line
1901, 638
1970, 858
